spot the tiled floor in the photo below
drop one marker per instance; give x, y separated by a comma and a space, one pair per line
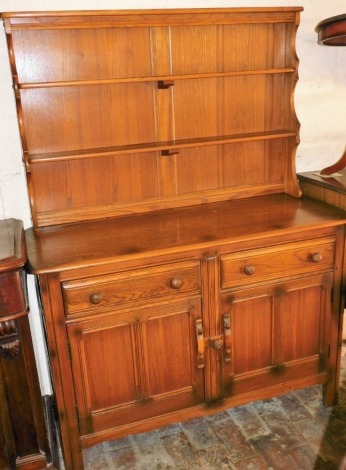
294, 431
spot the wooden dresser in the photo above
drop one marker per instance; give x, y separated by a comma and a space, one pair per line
181, 272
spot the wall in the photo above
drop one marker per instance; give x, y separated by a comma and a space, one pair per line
320, 101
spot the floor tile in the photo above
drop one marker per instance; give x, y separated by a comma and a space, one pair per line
291, 432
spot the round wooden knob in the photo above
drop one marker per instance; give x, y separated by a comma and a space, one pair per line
218, 344
249, 269
176, 283
95, 298
316, 257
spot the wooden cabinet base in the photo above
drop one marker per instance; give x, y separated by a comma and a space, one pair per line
147, 354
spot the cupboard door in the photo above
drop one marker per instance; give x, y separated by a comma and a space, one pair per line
138, 364
279, 332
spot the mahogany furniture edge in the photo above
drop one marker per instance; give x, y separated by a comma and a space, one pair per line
22, 424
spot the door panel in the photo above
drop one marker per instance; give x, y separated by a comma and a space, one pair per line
105, 352
252, 338
168, 353
300, 318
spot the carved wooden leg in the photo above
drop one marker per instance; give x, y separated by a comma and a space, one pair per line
338, 166
22, 421
9, 339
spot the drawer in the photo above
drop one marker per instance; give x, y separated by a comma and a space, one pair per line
271, 263
131, 286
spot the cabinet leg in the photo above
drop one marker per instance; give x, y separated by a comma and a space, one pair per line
330, 393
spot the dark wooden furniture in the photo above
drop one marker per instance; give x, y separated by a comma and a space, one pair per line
332, 32
336, 167
180, 271
22, 427
331, 190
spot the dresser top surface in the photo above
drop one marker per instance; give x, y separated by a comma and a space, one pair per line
203, 227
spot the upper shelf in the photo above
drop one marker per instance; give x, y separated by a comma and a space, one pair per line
159, 79
166, 148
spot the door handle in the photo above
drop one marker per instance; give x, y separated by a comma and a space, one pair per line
200, 344
227, 335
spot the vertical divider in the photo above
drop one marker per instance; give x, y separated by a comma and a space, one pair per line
163, 99
210, 268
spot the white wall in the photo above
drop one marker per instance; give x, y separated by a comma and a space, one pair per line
320, 104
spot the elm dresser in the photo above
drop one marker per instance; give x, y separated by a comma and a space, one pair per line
180, 270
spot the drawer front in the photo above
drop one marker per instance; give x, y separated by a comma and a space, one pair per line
130, 286
271, 263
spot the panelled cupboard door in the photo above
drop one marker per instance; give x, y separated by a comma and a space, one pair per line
137, 364
279, 332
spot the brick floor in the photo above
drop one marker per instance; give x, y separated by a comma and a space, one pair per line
293, 431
